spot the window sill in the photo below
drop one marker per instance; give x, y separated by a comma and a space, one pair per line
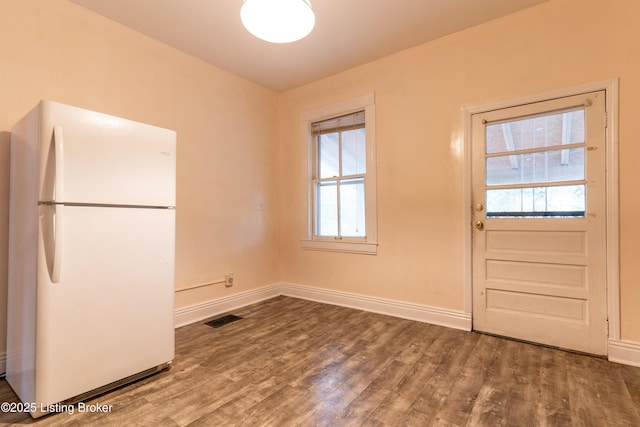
366, 248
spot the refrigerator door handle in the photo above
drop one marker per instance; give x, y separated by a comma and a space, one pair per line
58, 225
59, 155
57, 243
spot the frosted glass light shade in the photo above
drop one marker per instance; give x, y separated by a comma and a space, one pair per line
278, 21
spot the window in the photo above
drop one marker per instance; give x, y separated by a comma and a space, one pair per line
339, 170
339, 142
535, 166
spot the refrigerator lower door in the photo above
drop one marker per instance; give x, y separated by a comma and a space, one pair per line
110, 314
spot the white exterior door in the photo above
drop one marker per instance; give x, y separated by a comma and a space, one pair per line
539, 218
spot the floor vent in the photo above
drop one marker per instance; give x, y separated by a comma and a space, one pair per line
221, 321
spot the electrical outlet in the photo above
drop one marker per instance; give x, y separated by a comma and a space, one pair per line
228, 280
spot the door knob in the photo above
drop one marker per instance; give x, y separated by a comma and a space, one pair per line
479, 225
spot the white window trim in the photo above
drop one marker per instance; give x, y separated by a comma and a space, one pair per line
368, 244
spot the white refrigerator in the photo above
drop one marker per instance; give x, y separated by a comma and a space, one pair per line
91, 254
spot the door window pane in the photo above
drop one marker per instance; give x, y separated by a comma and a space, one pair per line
536, 132
352, 209
327, 208
354, 152
540, 167
567, 200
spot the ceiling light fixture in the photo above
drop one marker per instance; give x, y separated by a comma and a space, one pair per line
278, 21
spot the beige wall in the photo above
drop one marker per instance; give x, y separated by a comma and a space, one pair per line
56, 50
420, 94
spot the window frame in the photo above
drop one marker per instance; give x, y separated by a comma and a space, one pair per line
560, 145
363, 245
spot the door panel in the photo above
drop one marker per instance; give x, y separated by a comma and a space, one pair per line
536, 276
539, 245
543, 305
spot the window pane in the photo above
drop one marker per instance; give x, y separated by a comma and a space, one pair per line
567, 200
541, 167
536, 132
352, 214
328, 159
353, 152
326, 209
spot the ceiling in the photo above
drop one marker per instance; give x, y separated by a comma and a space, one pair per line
347, 32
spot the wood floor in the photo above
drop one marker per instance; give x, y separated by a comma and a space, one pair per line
291, 362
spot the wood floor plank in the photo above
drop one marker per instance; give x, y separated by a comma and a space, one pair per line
456, 408
553, 407
422, 357
525, 378
506, 397
291, 362
363, 408
452, 354
631, 378
598, 393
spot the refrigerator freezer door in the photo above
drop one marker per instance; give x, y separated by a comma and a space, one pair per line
111, 313
93, 158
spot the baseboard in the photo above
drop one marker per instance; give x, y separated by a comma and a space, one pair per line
625, 352
421, 313
404, 310
195, 313
3, 364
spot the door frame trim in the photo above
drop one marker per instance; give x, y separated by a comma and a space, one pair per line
611, 187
